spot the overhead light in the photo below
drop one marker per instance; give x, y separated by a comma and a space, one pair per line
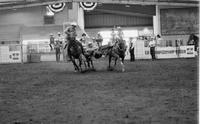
127, 5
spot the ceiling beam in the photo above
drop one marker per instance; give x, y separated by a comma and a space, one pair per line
136, 2
141, 2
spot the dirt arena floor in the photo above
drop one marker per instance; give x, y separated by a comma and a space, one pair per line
149, 92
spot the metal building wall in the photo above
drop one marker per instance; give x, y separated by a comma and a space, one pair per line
110, 20
108, 15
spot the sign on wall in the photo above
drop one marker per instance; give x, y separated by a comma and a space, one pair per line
179, 21
172, 52
8, 55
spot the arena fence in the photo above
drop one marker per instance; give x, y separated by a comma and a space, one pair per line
23, 53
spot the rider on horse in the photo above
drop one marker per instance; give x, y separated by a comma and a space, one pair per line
71, 34
117, 49
117, 39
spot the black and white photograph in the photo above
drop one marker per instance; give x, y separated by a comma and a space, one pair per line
99, 61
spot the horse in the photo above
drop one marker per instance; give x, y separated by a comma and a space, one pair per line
75, 51
89, 59
117, 51
89, 55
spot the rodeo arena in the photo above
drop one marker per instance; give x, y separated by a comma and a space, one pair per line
99, 61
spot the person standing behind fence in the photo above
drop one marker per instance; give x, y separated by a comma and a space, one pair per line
178, 44
60, 39
159, 40
152, 45
51, 44
57, 49
194, 40
132, 45
99, 39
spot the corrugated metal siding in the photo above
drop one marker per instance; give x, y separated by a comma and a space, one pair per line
109, 20
149, 9
10, 32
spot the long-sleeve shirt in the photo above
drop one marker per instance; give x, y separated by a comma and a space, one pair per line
132, 44
152, 43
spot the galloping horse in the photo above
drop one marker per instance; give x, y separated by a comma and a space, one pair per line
75, 51
117, 51
74, 47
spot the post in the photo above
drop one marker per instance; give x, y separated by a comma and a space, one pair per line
21, 45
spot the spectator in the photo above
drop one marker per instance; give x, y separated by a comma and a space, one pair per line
57, 49
60, 38
152, 45
178, 44
158, 40
99, 39
193, 40
51, 44
132, 49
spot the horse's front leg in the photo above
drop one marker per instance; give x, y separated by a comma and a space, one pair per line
116, 61
81, 59
122, 64
110, 58
116, 56
75, 65
88, 63
92, 65
80, 63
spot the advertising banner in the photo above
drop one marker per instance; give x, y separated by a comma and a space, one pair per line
172, 52
8, 55
142, 51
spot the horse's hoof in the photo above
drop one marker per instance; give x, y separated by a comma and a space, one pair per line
123, 70
110, 69
83, 71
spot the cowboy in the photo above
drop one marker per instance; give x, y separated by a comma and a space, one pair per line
70, 35
83, 40
120, 33
120, 37
71, 32
113, 37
